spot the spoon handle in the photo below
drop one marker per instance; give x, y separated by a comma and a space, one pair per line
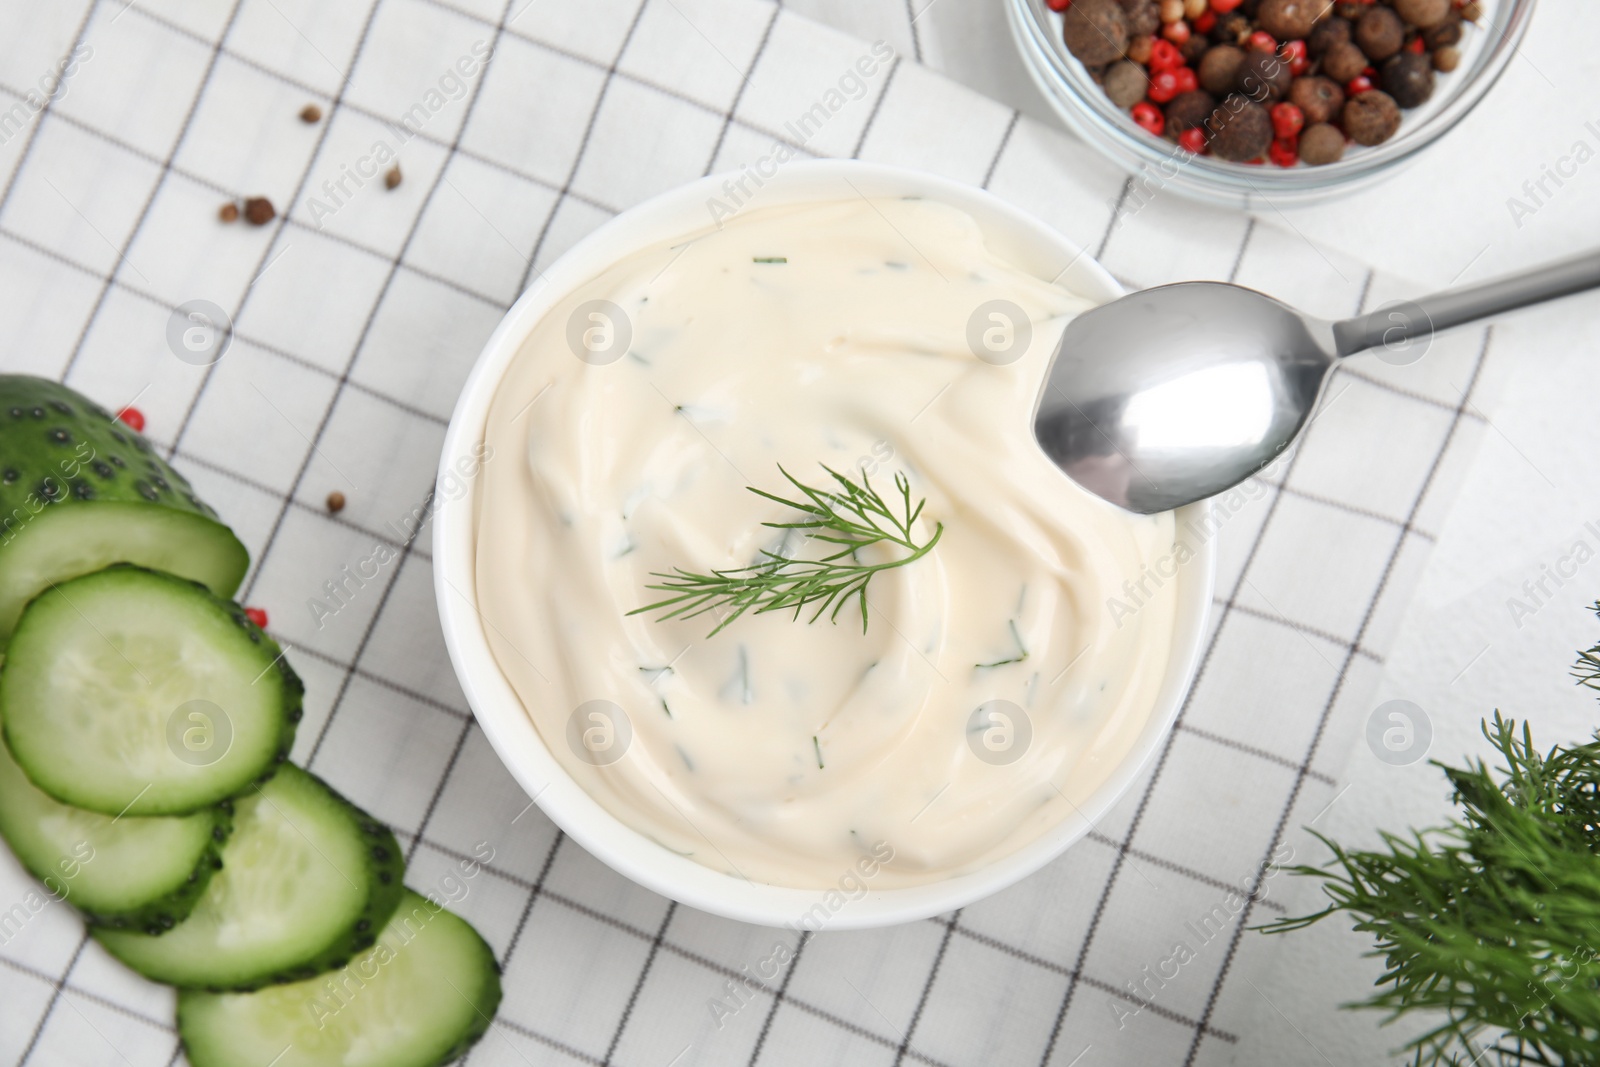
1396, 323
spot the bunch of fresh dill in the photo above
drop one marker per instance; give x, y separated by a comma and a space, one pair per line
1492, 921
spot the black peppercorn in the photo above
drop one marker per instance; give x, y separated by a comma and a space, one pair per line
1408, 77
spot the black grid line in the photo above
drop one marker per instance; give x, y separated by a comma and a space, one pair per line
155, 188
121, 286
55, 998
366, 329
1327, 711
778, 997
583, 146
744, 83
927, 988
1167, 744
658, 938
644, 976
46, 111
999, 152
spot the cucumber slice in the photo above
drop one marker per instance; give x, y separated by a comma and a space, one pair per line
140, 872
80, 490
307, 880
132, 692
419, 998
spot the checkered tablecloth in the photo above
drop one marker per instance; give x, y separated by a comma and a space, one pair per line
356, 315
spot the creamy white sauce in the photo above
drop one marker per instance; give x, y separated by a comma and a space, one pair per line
853, 353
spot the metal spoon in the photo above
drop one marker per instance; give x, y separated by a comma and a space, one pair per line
1177, 393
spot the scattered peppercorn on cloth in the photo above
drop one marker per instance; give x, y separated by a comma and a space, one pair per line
400, 169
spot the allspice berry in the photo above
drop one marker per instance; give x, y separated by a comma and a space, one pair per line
1126, 83
1189, 110
1143, 17
335, 502
258, 211
1325, 35
1290, 20
1192, 49
1263, 77
1380, 33
1096, 31
392, 178
1321, 144
228, 212
1219, 69
1408, 77
1240, 130
1231, 28
1447, 32
1318, 98
311, 114
1371, 117
1423, 13
1343, 62
1446, 59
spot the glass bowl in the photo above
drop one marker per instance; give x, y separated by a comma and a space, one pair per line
1088, 112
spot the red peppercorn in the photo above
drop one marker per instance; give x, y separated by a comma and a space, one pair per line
1262, 41
1187, 81
1207, 20
1358, 85
1193, 139
133, 418
1164, 55
1176, 32
257, 616
1287, 120
1058, 5
1285, 152
1222, 7
1149, 116
1418, 45
1163, 86
1294, 53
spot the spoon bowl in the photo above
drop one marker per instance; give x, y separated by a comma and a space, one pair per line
1175, 394
1209, 383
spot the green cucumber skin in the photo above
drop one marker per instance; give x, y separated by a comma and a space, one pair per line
156, 912
209, 1048
60, 450
163, 914
292, 687
385, 864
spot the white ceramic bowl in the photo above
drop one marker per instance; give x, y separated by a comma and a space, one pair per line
1025, 241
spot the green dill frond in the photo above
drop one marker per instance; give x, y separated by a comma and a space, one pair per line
1493, 920
848, 517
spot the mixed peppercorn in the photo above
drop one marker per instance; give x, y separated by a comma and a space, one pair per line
1291, 81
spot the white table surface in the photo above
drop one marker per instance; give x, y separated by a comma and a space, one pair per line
1460, 654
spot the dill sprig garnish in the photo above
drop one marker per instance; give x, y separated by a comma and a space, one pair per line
853, 517
1492, 921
